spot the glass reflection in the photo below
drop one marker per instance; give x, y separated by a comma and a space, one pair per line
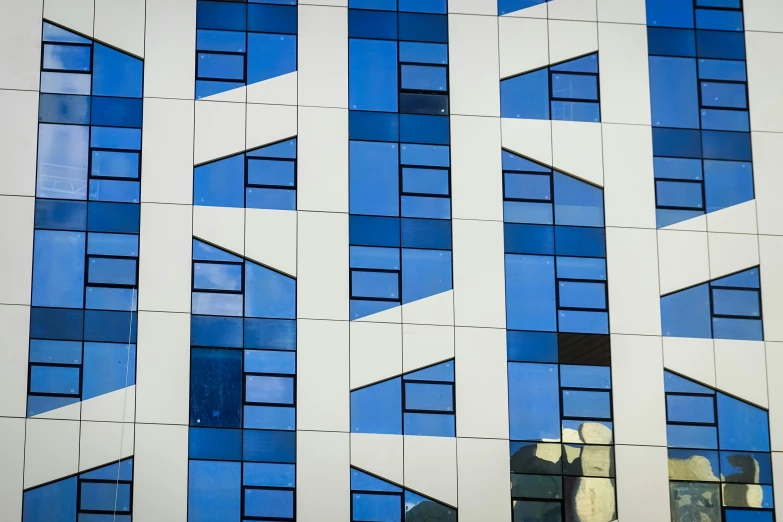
537, 486
588, 461
536, 458
694, 502
701, 465
589, 499
747, 495
529, 511
745, 467
587, 432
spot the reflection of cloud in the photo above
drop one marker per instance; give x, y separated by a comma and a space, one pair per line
62, 161
217, 304
219, 276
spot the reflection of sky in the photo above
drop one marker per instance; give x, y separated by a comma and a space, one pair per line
62, 161
218, 276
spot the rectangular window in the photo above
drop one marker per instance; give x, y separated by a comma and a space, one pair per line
380, 285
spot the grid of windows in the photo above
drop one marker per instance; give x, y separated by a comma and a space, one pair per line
699, 101
719, 455
262, 178
555, 250
557, 320
242, 389
375, 499
243, 42
564, 91
100, 495
725, 308
86, 243
421, 402
561, 430
400, 183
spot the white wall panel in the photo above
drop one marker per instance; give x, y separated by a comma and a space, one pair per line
20, 44
569, 39
473, 65
632, 265
765, 75
774, 367
16, 255
165, 254
323, 476
51, 450
622, 11
524, 45
629, 185
163, 368
476, 171
624, 73
683, 259
170, 49
740, 370
12, 433
121, 24
479, 282
167, 151
322, 56
642, 483
322, 160
160, 474
376, 352
637, 390
18, 138
763, 15
768, 183
481, 383
771, 256
483, 471
323, 397
322, 284
220, 130
14, 350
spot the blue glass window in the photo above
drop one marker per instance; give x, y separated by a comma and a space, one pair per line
262, 178
240, 43
698, 82
92, 496
564, 91
399, 153
725, 308
421, 403
701, 421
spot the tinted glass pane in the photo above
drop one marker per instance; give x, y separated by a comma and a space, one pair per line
684, 408
586, 404
534, 404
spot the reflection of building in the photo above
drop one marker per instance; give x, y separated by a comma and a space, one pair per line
719, 461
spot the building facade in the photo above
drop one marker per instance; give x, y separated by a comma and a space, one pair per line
391, 260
